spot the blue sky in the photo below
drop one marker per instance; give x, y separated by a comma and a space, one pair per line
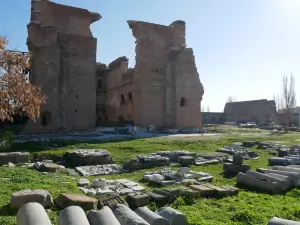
242, 47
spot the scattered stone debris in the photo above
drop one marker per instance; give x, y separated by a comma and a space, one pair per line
86, 157
237, 149
110, 200
236, 166
145, 162
97, 170
83, 182
65, 200
174, 155
47, 167
166, 176
121, 186
14, 157
25, 196
284, 161
278, 180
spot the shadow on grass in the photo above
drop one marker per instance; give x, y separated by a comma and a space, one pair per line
228, 175
38, 146
7, 211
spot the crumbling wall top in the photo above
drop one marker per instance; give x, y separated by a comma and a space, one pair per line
159, 35
116, 63
65, 19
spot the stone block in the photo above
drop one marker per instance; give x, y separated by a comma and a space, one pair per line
65, 200
168, 195
157, 198
276, 161
176, 192
14, 157
184, 170
233, 190
221, 192
284, 182
203, 190
151, 217
22, 197
128, 217
136, 200
86, 157
32, 213
237, 159
173, 216
186, 160
205, 179
167, 182
189, 193
72, 215
21, 157
83, 182
110, 200
257, 184
157, 178
234, 168
295, 177
279, 221
50, 167
103, 216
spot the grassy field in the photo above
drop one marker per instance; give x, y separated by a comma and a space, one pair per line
247, 208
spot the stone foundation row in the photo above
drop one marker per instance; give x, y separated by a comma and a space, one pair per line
34, 214
279, 179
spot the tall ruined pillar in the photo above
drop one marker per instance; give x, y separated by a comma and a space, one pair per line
167, 85
64, 64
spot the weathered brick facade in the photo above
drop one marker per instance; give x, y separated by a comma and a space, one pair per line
167, 90
162, 90
64, 64
262, 111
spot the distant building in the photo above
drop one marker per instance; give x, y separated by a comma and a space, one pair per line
294, 117
259, 111
213, 118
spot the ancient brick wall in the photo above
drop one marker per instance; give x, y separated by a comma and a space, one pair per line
64, 64
165, 72
101, 96
251, 111
119, 90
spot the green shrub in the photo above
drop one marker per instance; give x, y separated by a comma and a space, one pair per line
6, 141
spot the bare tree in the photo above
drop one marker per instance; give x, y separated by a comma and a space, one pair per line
278, 101
231, 99
288, 96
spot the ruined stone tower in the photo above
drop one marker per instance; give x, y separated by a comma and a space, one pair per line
167, 88
64, 64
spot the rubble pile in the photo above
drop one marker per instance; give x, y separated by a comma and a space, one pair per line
238, 149
102, 186
279, 179
97, 170
166, 176
145, 162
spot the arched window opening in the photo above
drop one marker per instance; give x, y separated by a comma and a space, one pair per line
182, 102
122, 100
130, 97
45, 118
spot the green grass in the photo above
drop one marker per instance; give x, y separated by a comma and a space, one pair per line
246, 208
